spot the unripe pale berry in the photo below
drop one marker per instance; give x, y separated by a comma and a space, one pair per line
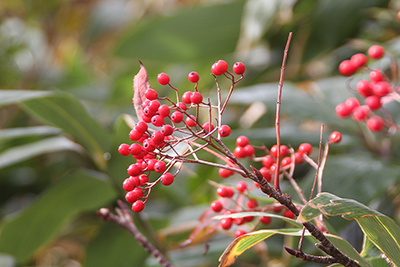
376, 52
238, 68
193, 77
163, 78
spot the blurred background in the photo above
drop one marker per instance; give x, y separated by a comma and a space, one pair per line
66, 70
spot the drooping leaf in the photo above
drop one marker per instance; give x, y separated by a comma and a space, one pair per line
15, 96
27, 151
140, 85
382, 231
76, 192
28, 131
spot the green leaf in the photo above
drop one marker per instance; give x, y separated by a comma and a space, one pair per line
199, 33
28, 131
76, 192
381, 230
64, 111
52, 144
114, 246
15, 96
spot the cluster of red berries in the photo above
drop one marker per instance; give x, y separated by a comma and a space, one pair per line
373, 91
152, 144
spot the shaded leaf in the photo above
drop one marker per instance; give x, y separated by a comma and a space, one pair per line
140, 85
15, 96
28, 131
75, 192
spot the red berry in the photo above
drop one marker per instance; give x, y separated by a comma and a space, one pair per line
163, 78
144, 178
193, 77
135, 149
342, 110
266, 220
167, 178
249, 150
151, 163
398, 16
123, 149
239, 221
364, 88
182, 106
225, 173
239, 152
248, 218
278, 208
167, 130
216, 206
138, 206
148, 145
224, 191
335, 137
131, 197
190, 121
148, 112
352, 103
298, 158
288, 214
376, 52
252, 203
376, 76
160, 166
238, 68
177, 117
219, 67
373, 102
164, 111
130, 183
267, 161
359, 60
208, 126
242, 141
151, 94
360, 113
241, 186
347, 68
157, 120
224, 130
196, 98
286, 161
266, 173
226, 223
186, 97
154, 105
381, 88
141, 127
134, 135
305, 148
146, 118
239, 232
283, 149
134, 170
157, 137
375, 124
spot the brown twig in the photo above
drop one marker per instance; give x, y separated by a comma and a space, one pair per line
124, 219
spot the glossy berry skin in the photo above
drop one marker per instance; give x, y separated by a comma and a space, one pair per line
182, 106
177, 117
347, 68
241, 186
141, 127
219, 67
164, 111
193, 77
216, 206
167, 130
196, 98
167, 178
376, 52
151, 94
286, 161
267, 161
157, 120
352, 103
224, 191
305, 148
239, 232
160, 166
288, 214
208, 126
239, 152
252, 203
135, 149
138, 206
238, 68
134, 170
373, 102
381, 88
298, 158
226, 223
190, 121
266, 173
186, 97
283, 149
375, 124
360, 113
163, 78
224, 130
376, 76
249, 150
135, 135
242, 141
359, 60
130, 183
342, 110
123, 149
225, 173
266, 220
335, 137
364, 88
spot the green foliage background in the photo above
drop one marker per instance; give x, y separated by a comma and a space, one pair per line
66, 70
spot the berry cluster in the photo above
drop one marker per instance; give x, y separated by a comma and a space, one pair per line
163, 125
375, 91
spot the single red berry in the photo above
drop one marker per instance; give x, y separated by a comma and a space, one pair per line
182, 106
241, 186
123, 149
143, 179
131, 196
335, 137
148, 112
151, 163
224, 130
167, 178
193, 77
288, 214
266, 173
376, 76
164, 111
277, 208
239, 232
225, 173
298, 158
266, 220
364, 88
248, 218
154, 105
167, 129
196, 98
151, 94
375, 124
239, 221
219, 67
135, 135
239, 152
148, 145
360, 113
242, 141
224, 191
157, 137
283, 149
138, 206
347, 68
146, 119
208, 126
135, 149
216, 206
163, 78
342, 110
398, 16
267, 161
352, 103
177, 117
381, 88
226, 223
249, 150
252, 203
141, 127
305, 148
186, 97
373, 102
160, 166
376, 52
134, 170
130, 183
190, 121
359, 60
238, 68
286, 161
157, 120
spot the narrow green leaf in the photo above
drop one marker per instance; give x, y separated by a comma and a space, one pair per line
15, 96
28, 131
114, 246
52, 144
76, 192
